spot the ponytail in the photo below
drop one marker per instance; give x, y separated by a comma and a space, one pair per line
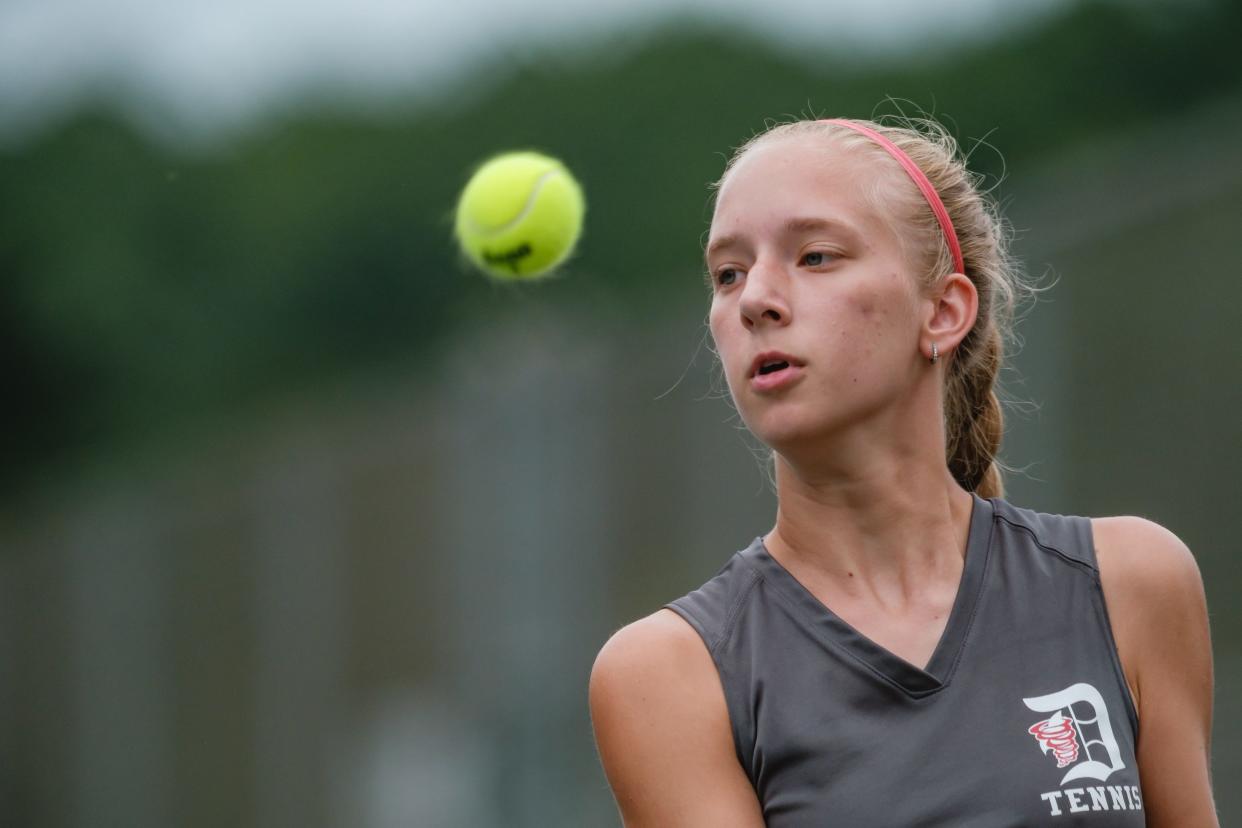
974, 422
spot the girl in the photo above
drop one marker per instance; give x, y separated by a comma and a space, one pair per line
904, 647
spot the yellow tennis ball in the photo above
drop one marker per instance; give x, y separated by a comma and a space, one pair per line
520, 215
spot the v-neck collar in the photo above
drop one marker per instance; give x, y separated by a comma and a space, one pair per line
830, 628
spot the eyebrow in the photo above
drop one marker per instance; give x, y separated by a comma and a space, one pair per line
791, 227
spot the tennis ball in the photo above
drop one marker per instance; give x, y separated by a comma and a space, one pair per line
519, 216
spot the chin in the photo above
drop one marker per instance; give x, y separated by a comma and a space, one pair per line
780, 430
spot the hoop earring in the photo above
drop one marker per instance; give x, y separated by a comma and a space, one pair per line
935, 354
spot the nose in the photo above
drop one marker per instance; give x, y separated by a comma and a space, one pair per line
764, 296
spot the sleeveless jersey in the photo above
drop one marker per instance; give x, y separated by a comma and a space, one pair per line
1022, 717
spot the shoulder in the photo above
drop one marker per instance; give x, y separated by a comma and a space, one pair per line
651, 646
1067, 536
1142, 562
1155, 598
662, 728
1145, 548
659, 664
678, 637
712, 609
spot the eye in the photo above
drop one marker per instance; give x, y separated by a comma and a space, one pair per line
814, 258
726, 276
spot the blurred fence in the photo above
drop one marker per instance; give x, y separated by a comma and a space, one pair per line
379, 606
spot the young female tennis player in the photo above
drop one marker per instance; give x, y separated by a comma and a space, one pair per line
904, 647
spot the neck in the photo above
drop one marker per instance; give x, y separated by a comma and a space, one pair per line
892, 525
871, 507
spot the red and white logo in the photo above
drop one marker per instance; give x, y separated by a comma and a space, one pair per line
1078, 734
1059, 736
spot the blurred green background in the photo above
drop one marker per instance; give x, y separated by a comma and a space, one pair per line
305, 525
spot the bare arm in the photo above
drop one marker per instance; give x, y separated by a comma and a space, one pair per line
1158, 611
663, 730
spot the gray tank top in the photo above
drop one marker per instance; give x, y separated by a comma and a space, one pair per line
1021, 718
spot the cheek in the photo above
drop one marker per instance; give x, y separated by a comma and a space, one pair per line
723, 336
882, 300
715, 324
866, 331
856, 322
886, 312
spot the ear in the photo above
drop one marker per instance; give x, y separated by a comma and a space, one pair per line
951, 312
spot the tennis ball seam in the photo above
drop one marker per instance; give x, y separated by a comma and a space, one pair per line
519, 216
525, 211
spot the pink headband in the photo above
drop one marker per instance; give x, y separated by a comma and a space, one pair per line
920, 178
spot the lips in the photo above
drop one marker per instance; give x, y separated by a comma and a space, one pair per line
771, 361
774, 371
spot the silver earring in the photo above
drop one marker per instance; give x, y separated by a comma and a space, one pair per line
935, 354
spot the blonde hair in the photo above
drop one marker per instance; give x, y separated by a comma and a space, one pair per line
974, 422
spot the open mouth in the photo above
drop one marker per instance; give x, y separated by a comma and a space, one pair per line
775, 365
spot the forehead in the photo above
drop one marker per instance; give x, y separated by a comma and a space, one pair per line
798, 177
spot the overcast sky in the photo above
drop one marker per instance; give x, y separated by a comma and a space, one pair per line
213, 65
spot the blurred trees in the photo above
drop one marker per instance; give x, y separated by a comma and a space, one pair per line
144, 288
